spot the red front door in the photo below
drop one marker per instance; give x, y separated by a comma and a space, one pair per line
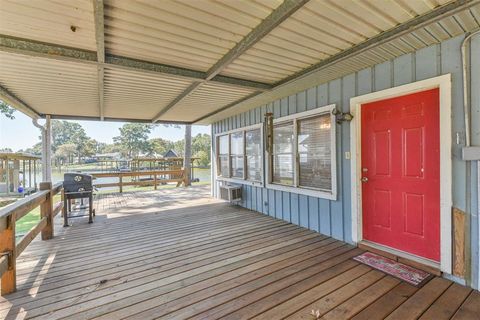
401, 173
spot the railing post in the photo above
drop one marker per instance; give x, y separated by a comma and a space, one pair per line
120, 183
64, 208
8, 248
155, 181
46, 210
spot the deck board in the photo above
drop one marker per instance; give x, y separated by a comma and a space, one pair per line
178, 254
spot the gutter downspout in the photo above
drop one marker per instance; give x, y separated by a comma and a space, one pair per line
46, 148
466, 87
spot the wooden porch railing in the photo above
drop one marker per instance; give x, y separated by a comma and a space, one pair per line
158, 177
9, 248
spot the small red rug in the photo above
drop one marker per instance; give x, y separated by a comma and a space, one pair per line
396, 269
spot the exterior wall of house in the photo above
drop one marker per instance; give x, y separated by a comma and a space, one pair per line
334, 217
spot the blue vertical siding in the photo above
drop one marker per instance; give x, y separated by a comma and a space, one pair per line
333, 218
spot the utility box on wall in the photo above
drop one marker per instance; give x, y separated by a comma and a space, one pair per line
471, 153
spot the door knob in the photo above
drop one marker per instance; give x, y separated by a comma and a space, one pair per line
364, 179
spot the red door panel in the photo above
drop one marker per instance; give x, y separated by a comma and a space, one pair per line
401, 160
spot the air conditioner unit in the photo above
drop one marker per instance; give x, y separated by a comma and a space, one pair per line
231, 193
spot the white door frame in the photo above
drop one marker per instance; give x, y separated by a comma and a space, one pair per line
444, 84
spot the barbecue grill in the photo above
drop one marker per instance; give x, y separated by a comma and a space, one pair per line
77, 186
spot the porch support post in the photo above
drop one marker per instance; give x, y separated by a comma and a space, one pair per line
187, 165
46, 149
98, 10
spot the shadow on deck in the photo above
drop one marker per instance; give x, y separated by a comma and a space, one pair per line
178, 254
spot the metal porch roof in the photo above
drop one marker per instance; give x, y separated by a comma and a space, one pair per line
200, 61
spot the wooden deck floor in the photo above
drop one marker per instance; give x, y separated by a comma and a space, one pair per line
178, 254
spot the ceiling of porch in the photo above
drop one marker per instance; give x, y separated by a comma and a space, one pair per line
197, 61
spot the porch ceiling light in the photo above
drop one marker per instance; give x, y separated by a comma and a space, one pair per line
342, 116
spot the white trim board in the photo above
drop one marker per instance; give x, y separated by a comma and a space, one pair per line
444, 84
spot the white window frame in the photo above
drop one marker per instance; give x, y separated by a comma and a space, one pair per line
332, 195
262, 156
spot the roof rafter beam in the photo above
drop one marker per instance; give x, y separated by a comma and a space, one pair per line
416, 23
98, 9
15, 102
112, 119
57, 52
175, 101
228, 106
275, 18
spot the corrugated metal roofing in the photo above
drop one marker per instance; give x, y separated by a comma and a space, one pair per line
50, 21
136, 95
323, 28
189, 34
193, 36
206, 99
52, 86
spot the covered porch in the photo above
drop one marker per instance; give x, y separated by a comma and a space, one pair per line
178, 253
242, 67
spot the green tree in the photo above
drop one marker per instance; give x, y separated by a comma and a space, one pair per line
36, 149
6, 110
203, 158
111, 148
90, 148
80, 139
160, 146
65, 153
201, 148
133, 138
101, 146
64, 132
179, 147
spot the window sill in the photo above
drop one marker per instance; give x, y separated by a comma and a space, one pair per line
303, 191
241, 181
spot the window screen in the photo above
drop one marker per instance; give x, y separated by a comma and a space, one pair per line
253, 154
283, 157
314, 152
223, 156
236, 153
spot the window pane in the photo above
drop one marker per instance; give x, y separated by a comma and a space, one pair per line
283, 153
254, 168
236, 143
283, 169
283, 138
237, 167
253, 153
223, 144
314, 149
223, 159
223, 156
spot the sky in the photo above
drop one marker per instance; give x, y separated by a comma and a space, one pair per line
20, 133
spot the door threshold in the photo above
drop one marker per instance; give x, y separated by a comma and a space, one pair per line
424, 264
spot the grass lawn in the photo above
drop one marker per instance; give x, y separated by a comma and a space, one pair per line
30, 219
